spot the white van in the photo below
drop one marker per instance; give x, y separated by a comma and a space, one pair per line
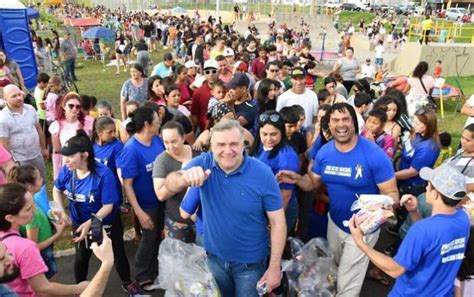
333, 3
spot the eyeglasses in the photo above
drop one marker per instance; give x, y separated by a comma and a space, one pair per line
72, 106
264, 118
210, 71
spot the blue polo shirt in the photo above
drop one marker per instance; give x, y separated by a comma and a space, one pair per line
91, 193
234, 207
349, 174
431, 254
108, 154
136, 161
191, 204
286, 159
418, 153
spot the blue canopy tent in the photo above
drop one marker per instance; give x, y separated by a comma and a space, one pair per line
98, 32
178, 9
32, 13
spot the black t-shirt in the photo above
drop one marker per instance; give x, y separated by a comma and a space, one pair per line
298, 141
141, 46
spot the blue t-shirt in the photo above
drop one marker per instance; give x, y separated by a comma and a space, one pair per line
431, 254
108, 154
91, 193
249, 111
349, 174
234, 207
418, 153
162, 70
191, 204
136, 161
317, 145
286, 159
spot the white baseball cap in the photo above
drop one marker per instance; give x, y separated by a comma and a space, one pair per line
228, 52
190, 64
211, 63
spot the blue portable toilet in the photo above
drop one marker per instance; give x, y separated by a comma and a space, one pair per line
15, 39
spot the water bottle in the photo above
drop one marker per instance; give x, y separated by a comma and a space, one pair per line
262, 288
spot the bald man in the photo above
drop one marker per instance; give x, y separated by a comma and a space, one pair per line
20, 131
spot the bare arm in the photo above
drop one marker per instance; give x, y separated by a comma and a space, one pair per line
278, 227
389, 188
307, 182
41, 136
406, 173
42, 286
4, 143
286, 196
160, 190
145, 220
467, 110
123, 109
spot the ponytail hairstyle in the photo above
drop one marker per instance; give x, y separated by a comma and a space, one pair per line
99, 125
82, 139
138, 119
24, 174
12, 200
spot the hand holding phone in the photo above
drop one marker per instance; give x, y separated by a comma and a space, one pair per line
96, 229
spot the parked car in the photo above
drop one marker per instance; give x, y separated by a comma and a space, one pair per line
333, 3
441, 14
456, 14
350, 7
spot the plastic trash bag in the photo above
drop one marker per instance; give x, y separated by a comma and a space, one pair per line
310, 272
183, 270
373, 211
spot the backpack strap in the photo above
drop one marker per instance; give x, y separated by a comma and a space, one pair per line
8, 235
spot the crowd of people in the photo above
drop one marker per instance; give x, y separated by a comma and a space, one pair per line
226, 143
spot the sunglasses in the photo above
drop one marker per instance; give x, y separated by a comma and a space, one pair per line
274, 70
265, 118
72, 106
210, 71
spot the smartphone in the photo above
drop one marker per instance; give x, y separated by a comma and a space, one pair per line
96, 229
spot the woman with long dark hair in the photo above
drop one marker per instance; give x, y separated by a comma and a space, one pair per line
136, 165
266, 95
91, 189
419, 87
272, 147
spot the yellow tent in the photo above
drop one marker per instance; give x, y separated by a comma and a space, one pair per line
53, 2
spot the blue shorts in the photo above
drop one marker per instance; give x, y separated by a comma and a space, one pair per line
378, 61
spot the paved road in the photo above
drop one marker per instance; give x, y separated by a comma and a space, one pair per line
66, 274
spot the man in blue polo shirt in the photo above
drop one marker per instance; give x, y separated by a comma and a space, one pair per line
430, 255
349, 166
239, 196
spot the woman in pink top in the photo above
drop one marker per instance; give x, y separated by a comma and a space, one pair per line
181, 74
6, 163
69, 118
27, 268
418, 88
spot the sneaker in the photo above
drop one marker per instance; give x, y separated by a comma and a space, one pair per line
134, 290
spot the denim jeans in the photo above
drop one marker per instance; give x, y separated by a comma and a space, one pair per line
236, 279
50, 261
70, 68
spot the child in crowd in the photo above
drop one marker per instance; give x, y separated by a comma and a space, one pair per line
52, 94
374, 131
307, 132
446, 149
217, 94
368, 70
291, 118
39, 230
391, 126
362, 102
104, 109
41, 85
437, 69
379, 50
130, 107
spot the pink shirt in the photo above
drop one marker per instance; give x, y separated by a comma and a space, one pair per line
28, 258
50, 106
417, 89
67, 130
4, 158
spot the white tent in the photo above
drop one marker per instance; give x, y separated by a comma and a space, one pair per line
11, 4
